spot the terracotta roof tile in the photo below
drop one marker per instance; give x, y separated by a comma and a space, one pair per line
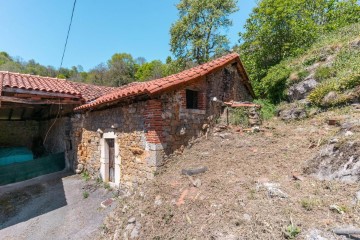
30, 82
52, 85
159, 85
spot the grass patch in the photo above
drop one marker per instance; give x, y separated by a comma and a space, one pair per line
267, 110
85, 194
323, 73
239, 116
309, 204
107, 186
86, 176
291, 231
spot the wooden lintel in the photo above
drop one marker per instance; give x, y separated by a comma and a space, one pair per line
30, 101
39, 93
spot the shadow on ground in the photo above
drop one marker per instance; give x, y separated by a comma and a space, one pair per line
27, 202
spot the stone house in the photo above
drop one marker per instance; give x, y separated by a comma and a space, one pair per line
122, 135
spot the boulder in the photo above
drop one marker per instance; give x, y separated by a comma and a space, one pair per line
292, 112
302, 89
329, 98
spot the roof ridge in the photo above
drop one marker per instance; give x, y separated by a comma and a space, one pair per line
161, 84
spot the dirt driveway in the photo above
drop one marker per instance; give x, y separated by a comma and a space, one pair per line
55, 208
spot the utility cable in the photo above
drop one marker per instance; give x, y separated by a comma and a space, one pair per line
68, 33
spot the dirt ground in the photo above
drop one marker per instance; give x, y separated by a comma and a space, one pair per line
54, 209
234, 200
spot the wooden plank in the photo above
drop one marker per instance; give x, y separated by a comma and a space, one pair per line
39, 92
34, 102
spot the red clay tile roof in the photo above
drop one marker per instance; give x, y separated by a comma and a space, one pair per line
32, 82
167, 83
91, 92
52, 85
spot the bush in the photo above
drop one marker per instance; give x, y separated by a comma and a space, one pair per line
349, 82
323, 73
239, 116
316, 96
274, 84
267, 108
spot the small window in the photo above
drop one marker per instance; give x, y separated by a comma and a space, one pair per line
192, 99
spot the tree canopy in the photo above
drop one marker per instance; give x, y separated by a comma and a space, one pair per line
199, 33
278, 29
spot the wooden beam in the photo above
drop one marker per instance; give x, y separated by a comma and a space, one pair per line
34, 102
39, 92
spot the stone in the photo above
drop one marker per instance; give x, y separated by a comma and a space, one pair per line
357, 197
302, 89
136, 231
274, 190
106, 203
348, 133
247, 217
315, 234
197, 183
329, 98
355, 44
158, 200
79, 168
117, 234
292, 112
132, 220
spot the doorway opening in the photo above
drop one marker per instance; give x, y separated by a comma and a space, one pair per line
111, 152
110, 159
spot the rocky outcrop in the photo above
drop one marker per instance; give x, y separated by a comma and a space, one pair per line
302, 89
340, 158
292, 112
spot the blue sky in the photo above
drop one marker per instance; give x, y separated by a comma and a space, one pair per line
36, 29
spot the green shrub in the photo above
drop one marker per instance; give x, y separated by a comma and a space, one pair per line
345, 83
85, 175
310, 61
238, 116
309, 204
291, 231
267, 108
349, 82
274, 84
85, 194
323, 73
303, 74
317, 95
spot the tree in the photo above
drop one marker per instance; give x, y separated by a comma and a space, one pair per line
122, 68
149, 71
278, 29
198, 34
97, 75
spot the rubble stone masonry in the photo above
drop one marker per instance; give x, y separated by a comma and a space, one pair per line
149, 131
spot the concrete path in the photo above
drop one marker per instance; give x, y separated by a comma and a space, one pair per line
53, 209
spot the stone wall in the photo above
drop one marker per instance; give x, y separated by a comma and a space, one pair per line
18, 133
127, 124
148, 131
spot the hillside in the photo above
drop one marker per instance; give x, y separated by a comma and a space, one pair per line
326, 75
256, 187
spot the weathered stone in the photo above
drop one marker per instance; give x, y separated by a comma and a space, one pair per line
292, 112
302, 89
329, 98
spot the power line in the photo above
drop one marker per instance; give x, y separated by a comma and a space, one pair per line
68, 33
